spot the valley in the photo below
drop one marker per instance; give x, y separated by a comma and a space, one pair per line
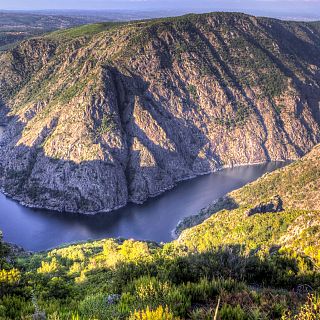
262, 265
106, 114
116, 136
154, 220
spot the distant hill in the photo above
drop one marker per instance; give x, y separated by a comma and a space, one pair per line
15, 27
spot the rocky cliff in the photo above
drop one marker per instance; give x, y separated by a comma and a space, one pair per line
105, 114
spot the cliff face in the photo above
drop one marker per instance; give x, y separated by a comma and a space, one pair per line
105, 114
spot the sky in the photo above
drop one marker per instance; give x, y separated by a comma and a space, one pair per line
260, 7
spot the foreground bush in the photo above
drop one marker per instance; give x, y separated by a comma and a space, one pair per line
159, 314
309, 311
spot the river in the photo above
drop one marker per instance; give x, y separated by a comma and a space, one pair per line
37, 230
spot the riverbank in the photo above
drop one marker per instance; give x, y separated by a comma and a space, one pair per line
152, 220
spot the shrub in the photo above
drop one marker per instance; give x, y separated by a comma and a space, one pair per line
96, 306
309, 311
206, 289
12, 307
202, 314
228, 312
193, 91
159, 314
9, 276
151, 289
107, 124
49, 267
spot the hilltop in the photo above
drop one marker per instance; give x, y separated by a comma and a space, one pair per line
106, 114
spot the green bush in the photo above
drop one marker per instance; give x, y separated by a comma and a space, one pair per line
158, 314
228, 312
97, 306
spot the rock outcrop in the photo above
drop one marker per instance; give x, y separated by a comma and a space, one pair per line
100, 116
274, 205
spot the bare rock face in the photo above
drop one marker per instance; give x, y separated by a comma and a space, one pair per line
95, 119
274, 205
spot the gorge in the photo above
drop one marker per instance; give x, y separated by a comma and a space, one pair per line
135, 170
102, 115
154, 220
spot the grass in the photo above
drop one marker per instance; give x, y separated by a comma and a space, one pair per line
83, 31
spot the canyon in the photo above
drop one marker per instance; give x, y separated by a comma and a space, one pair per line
102, 115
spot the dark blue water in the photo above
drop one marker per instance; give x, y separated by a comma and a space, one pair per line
40, 229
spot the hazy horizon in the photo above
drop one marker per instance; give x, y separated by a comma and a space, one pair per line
309, 9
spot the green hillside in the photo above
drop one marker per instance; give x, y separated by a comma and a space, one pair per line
297, 185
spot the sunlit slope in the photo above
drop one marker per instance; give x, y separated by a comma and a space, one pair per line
297, 185
259, 257
104, 114
281, 210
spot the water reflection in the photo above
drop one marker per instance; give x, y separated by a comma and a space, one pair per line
40, 229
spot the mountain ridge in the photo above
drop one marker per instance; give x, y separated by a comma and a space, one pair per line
129, 110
